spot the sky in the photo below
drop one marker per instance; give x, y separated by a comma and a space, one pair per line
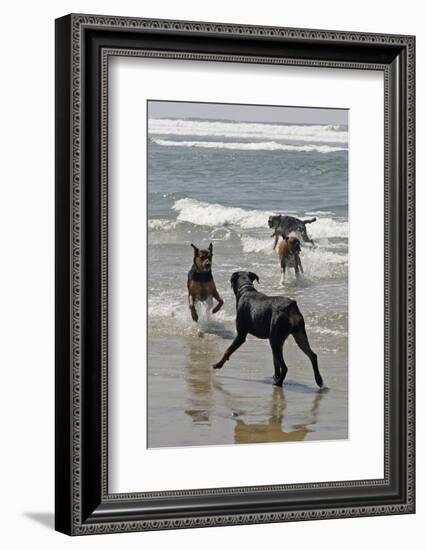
247, 113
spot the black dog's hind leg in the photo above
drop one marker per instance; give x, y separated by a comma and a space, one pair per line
238, 341
276, 341
280, 368
276, 239
306, 238
302, 341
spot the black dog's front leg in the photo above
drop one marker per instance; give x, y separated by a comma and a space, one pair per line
238, 341
276, 239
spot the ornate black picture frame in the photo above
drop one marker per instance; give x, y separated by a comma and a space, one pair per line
83, 45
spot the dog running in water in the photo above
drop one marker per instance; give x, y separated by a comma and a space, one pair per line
284, 225
268, 317
289, 252
201, 286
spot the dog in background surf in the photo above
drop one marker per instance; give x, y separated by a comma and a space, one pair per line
289, 252
284, 225
201, 286
268, 317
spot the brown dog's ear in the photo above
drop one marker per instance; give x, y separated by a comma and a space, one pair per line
253, 277
285, 237
196, 250
211, 248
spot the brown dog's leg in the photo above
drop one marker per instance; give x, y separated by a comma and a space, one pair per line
219, 300
298, 266
192, 309
282, 273
238, 341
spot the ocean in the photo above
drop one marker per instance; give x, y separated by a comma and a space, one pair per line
218, 181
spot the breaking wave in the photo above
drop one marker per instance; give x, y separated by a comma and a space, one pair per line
216, 215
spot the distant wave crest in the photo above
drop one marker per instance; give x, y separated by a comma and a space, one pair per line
322, 133
253, 146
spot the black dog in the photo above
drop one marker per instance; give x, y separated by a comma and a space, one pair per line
272, 317
284, 225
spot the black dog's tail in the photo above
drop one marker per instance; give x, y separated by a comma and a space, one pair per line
312, 220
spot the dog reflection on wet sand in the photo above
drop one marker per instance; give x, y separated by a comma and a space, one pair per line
272, 431
209, 394
199, 381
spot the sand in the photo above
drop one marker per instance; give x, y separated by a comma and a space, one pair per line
190, 404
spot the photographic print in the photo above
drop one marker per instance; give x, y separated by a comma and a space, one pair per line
212, 270
248, 250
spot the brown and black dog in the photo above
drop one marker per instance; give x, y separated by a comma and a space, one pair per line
288, 251
201, 286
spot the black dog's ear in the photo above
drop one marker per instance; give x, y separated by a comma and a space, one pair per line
196, 250
253, 277
234, 277
211, 248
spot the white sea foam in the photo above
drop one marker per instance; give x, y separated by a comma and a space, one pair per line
322, 133
327, 331
327, 228
170, 315
251, 244
216, 215
161, 225
253, 146
220, 234
319, 256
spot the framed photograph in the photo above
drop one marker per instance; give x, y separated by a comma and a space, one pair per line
234, 274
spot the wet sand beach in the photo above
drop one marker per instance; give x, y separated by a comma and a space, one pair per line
189, 403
